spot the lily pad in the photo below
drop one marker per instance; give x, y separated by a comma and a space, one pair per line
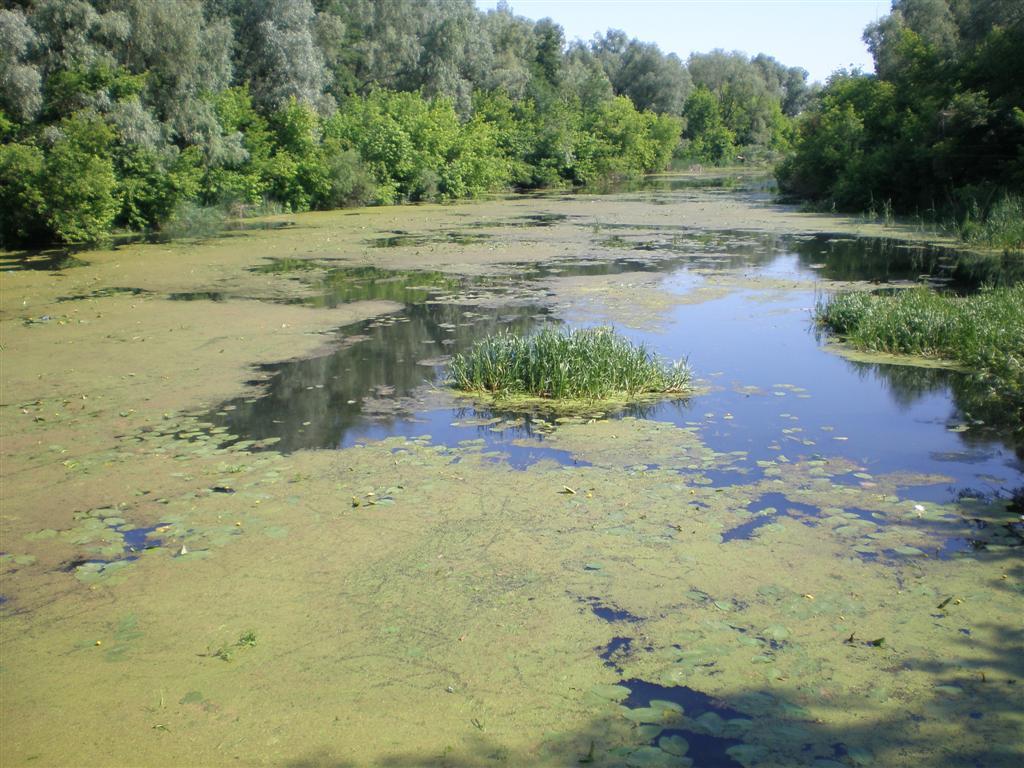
674, 745
611, 692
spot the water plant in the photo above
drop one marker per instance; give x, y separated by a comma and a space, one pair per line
587, 364
1002, 227
984, 333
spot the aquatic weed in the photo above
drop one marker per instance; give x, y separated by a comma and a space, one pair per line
984, 333
590, 364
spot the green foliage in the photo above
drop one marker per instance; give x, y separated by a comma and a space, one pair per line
706, 138
417, 149
78, 180
939, 128
984, 333
122, 113
751, 94
1001, 227
191, 221
68, 90
594, 364
22, 206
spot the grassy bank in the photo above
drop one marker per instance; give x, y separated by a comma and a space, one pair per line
982, 333
592, 364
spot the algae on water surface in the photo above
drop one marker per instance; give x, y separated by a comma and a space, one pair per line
748, 579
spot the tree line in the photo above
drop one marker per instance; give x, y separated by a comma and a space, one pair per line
938, 129
130, 114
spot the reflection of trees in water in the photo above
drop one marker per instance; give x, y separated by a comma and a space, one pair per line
307, 402
972, 401
840, 257
882, 259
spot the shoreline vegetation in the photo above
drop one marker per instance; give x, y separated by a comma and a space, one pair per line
936, 132
567, 370
982, 333
134, 116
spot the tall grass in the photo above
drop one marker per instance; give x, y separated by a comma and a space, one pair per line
984, 333
191, 221
592, 364
1002, 227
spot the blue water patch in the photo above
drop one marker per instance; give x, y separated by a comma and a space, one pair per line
778, 504
774, 392
609, 612
705, 749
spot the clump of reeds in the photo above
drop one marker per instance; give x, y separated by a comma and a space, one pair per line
591, 364
984, 332
1002, 227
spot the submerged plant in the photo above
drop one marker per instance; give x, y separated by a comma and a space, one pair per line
590, 364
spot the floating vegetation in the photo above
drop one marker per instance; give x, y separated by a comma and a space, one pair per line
102, 293
984, 332
401, 239
285, 265
197, 296
591, 364
44, 261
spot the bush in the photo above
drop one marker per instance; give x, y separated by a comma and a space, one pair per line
594, 364
79, 182
22, 206
192, 221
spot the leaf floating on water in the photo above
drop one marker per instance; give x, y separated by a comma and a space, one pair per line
666, 706
647, 732
611, 692
643, 714
711, 722
746, 753
652, 757
908, 550
674, 745
944, 603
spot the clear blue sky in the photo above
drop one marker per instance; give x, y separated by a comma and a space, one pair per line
819, 35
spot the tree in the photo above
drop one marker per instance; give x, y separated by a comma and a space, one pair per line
706, 137
78, 180
939, 125
277, 53
20, 81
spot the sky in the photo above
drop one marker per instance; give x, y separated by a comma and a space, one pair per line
819, 35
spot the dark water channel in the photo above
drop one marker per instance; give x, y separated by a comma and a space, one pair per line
773, 389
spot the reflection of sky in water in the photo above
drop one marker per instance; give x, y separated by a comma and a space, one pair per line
893, 417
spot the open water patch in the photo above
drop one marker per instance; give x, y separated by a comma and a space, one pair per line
767, 509
774, 396
684, 722
609, 612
